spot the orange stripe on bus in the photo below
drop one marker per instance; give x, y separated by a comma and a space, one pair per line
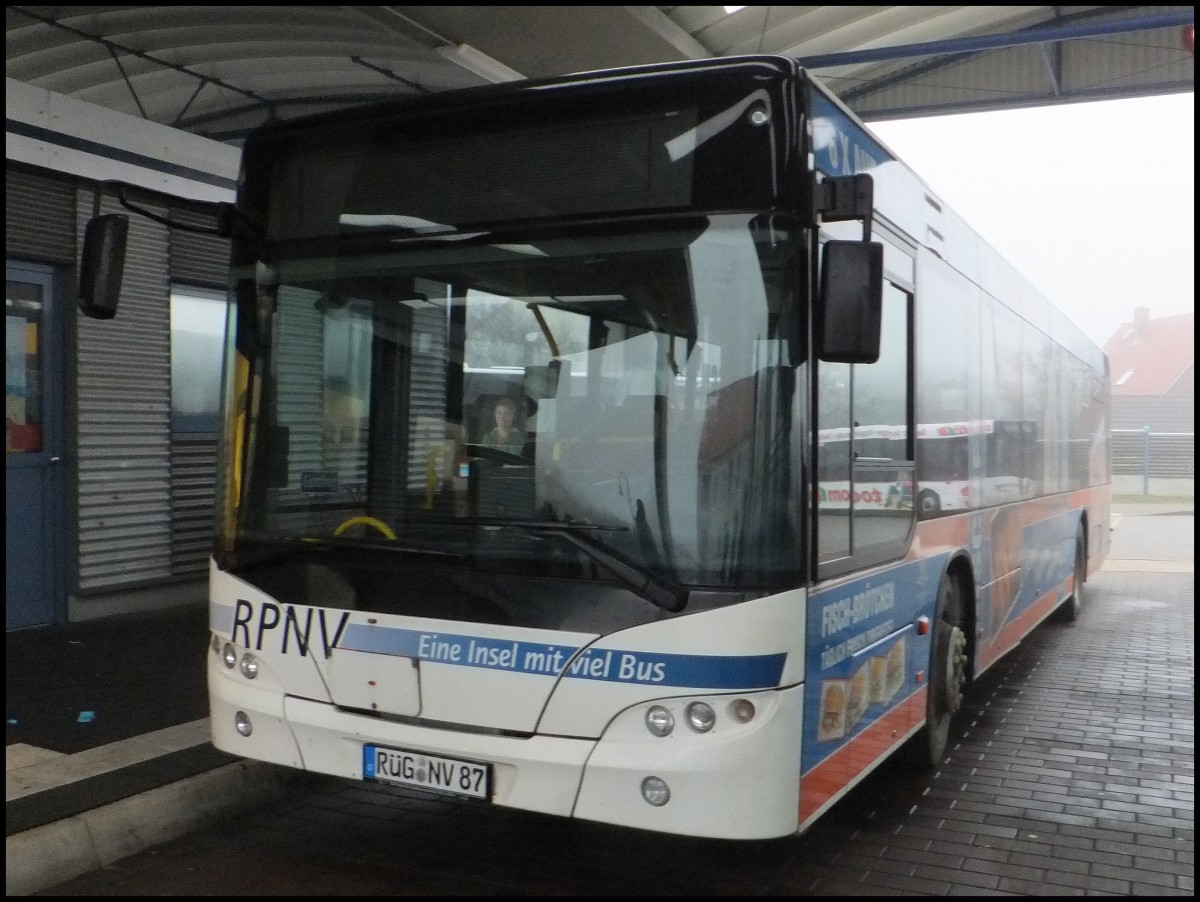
824, 782
934, 536
1016, 630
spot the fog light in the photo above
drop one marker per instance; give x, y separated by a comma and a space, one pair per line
229, 655
249, 666
655, 791
241, 723
701, 717
742, 710
659, 721
216, 644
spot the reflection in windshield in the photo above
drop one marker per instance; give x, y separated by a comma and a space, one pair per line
432, 392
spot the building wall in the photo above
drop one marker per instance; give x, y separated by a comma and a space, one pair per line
138, 506
1167, 413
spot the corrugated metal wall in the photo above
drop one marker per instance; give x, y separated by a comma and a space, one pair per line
39, 218
193, 475
428, 413
198, 260
124, 405
301, 369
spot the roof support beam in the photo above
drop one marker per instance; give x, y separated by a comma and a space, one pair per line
1052, 57
998, 41
128, 83
112, 47
358, 60
657, 21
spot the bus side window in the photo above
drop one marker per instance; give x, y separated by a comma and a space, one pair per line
864, 447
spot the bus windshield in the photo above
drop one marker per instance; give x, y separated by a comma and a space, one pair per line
605, 403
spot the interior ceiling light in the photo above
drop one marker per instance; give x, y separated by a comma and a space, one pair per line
478, 62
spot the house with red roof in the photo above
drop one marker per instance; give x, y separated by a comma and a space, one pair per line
1152, 364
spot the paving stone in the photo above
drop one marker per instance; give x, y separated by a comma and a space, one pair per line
1071, 772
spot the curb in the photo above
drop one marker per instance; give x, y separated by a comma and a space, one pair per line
54, 853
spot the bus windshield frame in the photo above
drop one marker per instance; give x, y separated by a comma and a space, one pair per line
647, 367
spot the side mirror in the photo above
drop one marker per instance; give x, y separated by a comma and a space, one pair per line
102, 264
850, 310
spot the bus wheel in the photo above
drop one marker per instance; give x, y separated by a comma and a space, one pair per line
947, 676
1069, 610
928, 502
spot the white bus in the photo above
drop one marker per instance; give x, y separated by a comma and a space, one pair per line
655, 610
1010, 448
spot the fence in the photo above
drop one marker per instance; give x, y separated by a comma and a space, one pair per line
1153, 455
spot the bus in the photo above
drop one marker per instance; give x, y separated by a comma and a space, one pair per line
678, 605
1009, 446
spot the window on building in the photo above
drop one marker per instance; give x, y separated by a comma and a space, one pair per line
23, 317
197, 343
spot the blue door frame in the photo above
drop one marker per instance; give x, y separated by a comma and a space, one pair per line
34, 530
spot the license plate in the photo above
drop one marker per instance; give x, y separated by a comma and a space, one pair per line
405, 768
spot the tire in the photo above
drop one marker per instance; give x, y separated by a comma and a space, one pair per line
947, 675
1069, 610
928, 502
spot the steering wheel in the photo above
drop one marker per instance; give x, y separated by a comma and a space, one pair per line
366, 521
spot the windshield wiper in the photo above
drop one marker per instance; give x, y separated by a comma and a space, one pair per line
639, 579
379, 545
642, 581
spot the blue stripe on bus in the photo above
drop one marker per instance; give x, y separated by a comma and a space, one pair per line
605, 664
731, 672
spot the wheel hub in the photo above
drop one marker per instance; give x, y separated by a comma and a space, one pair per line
954, 663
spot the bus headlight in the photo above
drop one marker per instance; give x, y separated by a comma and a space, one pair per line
660, 722
655, 791
229, 655
742, 710
701, 717
249, 666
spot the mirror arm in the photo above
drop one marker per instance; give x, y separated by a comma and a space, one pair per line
844, 197
225, 215
220, 211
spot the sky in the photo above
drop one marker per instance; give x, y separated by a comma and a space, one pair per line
1094, 203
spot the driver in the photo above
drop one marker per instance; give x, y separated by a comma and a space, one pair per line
504, 435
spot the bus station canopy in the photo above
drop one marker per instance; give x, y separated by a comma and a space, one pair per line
218, 71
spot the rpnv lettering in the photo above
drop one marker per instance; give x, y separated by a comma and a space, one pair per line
271, 624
